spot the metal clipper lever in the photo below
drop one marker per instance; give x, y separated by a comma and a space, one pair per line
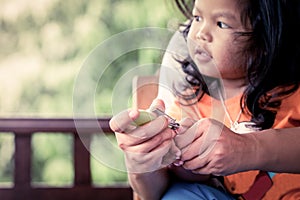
173, 124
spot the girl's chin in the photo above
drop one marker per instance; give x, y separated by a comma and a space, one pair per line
209, 69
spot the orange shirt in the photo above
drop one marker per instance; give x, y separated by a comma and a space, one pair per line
288, 116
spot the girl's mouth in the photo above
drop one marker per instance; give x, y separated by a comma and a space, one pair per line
202, 56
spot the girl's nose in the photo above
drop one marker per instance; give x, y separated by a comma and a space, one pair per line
204, 34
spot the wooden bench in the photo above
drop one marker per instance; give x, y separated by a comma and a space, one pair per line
145, 90
82, 188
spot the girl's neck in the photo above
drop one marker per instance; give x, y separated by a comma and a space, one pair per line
233, 87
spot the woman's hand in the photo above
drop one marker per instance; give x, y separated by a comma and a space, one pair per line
149, 147
209, 147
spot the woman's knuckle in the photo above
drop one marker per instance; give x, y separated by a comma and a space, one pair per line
158, 139
122, 146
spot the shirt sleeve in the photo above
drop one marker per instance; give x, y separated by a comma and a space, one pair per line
171, 69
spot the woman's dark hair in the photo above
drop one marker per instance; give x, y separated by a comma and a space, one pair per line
272, 52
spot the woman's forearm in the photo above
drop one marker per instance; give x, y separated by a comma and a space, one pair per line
150, 186
278, 150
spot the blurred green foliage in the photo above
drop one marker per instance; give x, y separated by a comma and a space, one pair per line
52, 159
6, 153
44, 44
107, 161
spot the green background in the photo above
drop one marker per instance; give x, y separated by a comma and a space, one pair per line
43, 45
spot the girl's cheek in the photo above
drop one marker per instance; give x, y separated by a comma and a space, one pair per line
191, 46
192, 32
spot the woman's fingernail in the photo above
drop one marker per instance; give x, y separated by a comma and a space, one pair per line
178, 163
178, 155
180, 130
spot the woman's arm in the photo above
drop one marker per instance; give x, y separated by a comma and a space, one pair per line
208, 147
150, 186
278, 150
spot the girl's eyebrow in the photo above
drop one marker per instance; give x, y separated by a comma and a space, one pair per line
196, 8
226, 15
217, 14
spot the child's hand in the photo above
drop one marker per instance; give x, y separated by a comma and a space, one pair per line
209, 147
145, 146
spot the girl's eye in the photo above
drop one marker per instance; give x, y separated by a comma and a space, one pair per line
223, 25
197, 18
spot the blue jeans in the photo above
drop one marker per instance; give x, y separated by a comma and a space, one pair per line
194, 191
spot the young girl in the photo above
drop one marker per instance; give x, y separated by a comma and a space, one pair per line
237, 107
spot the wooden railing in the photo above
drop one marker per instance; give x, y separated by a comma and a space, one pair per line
82, 188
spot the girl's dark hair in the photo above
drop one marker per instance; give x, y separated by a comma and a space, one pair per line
272, 52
